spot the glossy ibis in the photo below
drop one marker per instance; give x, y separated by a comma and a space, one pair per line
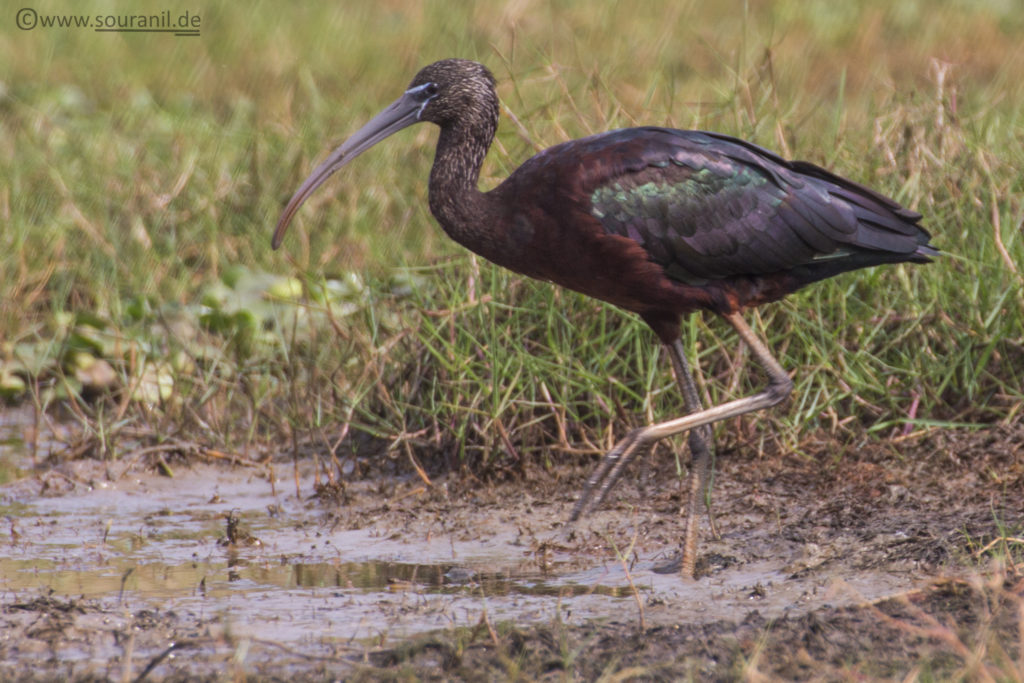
660, 222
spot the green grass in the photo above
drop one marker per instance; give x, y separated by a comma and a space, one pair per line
143, 174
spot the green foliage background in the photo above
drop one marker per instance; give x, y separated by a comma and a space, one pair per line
141, 175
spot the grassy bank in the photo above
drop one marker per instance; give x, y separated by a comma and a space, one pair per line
143, 175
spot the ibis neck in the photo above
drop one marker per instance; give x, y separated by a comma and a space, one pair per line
456, 202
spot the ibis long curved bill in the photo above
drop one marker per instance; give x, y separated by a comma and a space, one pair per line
400, 114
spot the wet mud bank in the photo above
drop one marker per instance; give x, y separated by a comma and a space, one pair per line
870, 563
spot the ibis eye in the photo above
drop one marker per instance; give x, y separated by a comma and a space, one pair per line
423, 93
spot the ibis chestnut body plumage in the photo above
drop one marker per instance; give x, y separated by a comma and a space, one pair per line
660, 222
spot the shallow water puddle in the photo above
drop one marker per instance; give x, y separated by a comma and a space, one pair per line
147, 542
158, 543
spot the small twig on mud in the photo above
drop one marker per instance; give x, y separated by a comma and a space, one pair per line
624, 559
486, 622
416, 465
911, 435
176, 445
155, 662
636, 593
509, 446
996, 541
232, 458
415, 492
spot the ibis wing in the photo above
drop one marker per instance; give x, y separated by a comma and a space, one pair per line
707, 206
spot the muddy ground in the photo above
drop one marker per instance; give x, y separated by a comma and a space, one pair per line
898, 560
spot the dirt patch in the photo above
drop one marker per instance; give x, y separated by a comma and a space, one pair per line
937, 630
877, 562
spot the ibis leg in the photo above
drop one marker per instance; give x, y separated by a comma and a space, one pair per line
700, 457
610, 469
639, 440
